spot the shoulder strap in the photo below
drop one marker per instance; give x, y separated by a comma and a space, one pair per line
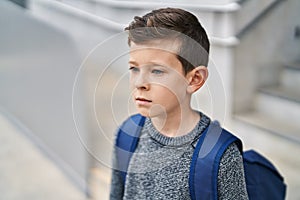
127, 140
206, 159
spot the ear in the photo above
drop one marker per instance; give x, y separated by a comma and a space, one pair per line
196, 78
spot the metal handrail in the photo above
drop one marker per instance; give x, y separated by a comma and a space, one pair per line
229, 7
89, 16
230, 41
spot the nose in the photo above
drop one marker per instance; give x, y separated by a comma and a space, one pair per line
142, 82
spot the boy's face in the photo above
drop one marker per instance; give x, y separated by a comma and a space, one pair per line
157, 80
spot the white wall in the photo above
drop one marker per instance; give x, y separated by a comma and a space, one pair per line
38, 63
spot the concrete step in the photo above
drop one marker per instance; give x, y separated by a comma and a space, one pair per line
282, 103
290, 76
270, 123
26, 173
281, 152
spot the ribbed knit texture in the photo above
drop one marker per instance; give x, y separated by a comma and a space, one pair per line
159, 168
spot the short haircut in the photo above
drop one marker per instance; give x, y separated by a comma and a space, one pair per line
173, 24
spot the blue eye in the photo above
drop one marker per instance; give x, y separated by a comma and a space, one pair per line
157, 71
134, 69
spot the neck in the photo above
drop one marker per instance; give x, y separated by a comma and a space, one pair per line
176, 124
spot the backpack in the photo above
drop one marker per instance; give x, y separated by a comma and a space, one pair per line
263, 181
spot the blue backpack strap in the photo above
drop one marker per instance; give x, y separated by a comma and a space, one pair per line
127, 140
206, 158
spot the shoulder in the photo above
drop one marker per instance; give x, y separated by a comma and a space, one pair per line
231, 163
231, 154
231, 177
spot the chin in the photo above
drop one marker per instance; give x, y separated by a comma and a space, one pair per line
151, 115
147, 114
154, 111
143, 112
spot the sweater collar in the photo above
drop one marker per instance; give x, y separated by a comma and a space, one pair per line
183, 140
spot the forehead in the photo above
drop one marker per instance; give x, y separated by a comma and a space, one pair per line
155, 54
163, 54
171, 46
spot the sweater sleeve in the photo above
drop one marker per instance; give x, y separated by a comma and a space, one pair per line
231, 177
116, 185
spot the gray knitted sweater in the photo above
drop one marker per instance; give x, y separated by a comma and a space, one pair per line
159, 168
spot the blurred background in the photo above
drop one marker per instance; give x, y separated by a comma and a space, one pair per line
63, 87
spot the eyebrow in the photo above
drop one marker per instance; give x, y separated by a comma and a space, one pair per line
133, 62
148, 64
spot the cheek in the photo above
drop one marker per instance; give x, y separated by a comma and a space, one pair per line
165, 94
177, 87
131, 82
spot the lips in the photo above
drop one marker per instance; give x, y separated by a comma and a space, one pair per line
142, 101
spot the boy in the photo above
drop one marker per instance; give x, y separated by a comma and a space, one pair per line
168, 63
